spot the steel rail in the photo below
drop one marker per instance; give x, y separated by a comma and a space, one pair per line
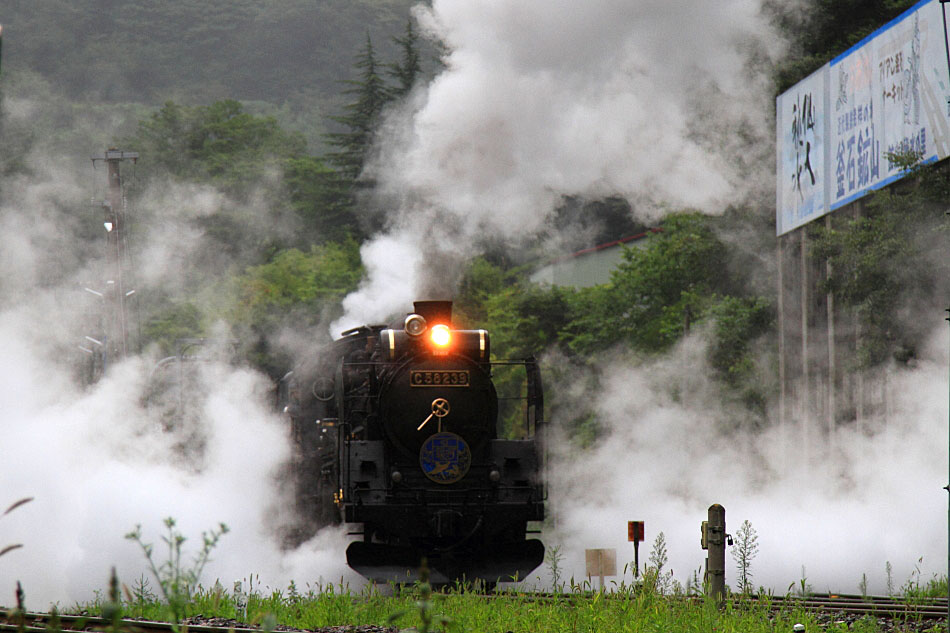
35, 622
877, 606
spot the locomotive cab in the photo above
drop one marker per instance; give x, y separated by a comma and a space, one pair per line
418, 458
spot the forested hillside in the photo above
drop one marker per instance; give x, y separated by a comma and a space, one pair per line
196, 51
283, 57
275, 106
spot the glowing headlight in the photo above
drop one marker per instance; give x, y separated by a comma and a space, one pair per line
441, 335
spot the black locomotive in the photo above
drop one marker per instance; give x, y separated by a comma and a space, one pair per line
396, 432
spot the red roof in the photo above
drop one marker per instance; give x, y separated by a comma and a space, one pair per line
606, 245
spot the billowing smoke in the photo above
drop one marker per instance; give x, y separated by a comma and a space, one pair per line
101, 460
666, 105
839, 505
540, 100
654, 101
98, 463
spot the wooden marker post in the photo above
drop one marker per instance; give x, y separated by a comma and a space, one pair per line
635, 536
600, 563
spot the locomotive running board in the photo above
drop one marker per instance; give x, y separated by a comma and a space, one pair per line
503, 562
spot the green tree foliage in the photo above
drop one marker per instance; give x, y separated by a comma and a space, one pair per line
407, 69
170, 322
523, 320
297, 290
357, 126
821, 29
677, 279
304, 285
528, 318
737, 323
232, 146
481, 281
888, 265
148, 50
361, 116
219, 144
656, 292
238, 152
321, 198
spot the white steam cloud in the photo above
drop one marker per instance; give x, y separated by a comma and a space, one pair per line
664, 104
537, 100
544, 99
840, 507
98, 460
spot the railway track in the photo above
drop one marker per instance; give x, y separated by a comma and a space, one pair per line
823, 604
28, 622
878, 606
45, 622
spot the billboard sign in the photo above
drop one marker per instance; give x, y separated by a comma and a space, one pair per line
887, 94
800, 122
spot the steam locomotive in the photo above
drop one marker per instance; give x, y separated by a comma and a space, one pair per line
396, 432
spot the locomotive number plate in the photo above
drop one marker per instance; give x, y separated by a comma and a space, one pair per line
439, 378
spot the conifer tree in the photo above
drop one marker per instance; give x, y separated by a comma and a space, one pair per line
408, 68
360, 117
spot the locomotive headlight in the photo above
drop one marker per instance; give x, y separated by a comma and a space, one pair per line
441, 336
415, 325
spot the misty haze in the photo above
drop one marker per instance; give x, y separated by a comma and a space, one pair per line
266, 175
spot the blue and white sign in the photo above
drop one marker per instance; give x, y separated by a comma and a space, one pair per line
801, 131
887, 94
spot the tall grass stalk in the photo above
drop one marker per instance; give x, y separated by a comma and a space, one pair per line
177, 580
628, 608
747, 546
16, 504
553, 558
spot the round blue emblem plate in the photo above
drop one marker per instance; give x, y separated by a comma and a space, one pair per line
445, 458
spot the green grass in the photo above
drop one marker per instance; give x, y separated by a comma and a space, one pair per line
335, 605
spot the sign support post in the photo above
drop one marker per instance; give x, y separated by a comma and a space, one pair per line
635, 535
946, 46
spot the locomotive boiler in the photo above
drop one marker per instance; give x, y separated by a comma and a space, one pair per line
396, 431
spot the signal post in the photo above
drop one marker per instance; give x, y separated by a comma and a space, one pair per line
115, 223
635, 536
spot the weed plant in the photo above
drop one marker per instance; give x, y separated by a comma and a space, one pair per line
461, 608
651, 603
177, 580
745, 550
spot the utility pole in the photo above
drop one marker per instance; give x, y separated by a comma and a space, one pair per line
946, 44
1, 83
117, 255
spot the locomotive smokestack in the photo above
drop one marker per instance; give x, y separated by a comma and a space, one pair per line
434, 312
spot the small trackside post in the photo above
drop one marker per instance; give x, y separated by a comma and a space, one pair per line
713, 539
635, 536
